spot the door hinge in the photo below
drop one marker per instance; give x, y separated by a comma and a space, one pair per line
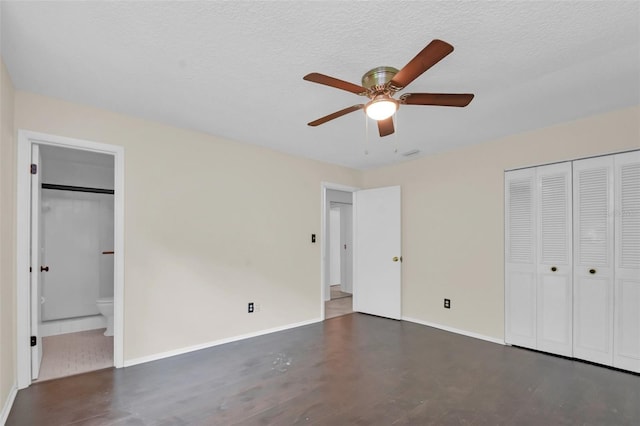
34, 169
33, 341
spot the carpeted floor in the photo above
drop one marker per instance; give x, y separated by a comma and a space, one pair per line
74, 353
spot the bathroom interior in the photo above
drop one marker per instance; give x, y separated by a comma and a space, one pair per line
77, 264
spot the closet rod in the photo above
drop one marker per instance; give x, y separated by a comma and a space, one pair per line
76, 188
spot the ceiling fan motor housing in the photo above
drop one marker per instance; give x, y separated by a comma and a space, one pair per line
376, 79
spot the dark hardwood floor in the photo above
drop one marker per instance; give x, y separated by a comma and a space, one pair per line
351, 370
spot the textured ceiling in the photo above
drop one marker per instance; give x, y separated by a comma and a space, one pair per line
234, 69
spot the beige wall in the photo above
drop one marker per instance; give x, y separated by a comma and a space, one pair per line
209, 226
7, 237
213, 224
453, 216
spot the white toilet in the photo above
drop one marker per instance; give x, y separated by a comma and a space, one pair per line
105, 306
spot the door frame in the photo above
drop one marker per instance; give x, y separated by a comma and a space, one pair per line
23, 311
324, 186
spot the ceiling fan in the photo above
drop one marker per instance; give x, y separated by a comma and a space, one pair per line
381, 83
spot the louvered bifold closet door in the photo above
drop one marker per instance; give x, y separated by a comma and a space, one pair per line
520, 258
593, 259
555, 273
627, 261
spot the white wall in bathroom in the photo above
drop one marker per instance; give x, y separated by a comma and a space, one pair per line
72, 325
74, 229
64, 166
77, 229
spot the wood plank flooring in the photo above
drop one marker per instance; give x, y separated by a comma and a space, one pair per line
336, 293
350, 370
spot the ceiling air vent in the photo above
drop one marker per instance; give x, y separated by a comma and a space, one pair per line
410, 153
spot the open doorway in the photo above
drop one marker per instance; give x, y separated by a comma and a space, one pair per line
70, 261
337, 283
75, 300
375, 274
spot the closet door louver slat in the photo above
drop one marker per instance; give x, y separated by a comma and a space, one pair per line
554, 224
593, 208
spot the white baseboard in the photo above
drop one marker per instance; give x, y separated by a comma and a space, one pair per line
455, 330
155, 357
72, 325
8, 404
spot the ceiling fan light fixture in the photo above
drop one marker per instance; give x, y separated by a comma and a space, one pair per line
381, 107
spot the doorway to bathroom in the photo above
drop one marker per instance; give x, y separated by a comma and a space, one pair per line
72, 311
76, 258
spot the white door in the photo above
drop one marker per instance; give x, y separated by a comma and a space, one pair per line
36, 254
554, 259
377, 252
627, 261
520, 258
593, 211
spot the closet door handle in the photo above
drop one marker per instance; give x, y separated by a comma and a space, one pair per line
553, 269
592, 271
44, 269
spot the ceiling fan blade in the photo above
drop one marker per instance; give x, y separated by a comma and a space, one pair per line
385, 127
440, 99
336, 114
428, 57
334, 82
